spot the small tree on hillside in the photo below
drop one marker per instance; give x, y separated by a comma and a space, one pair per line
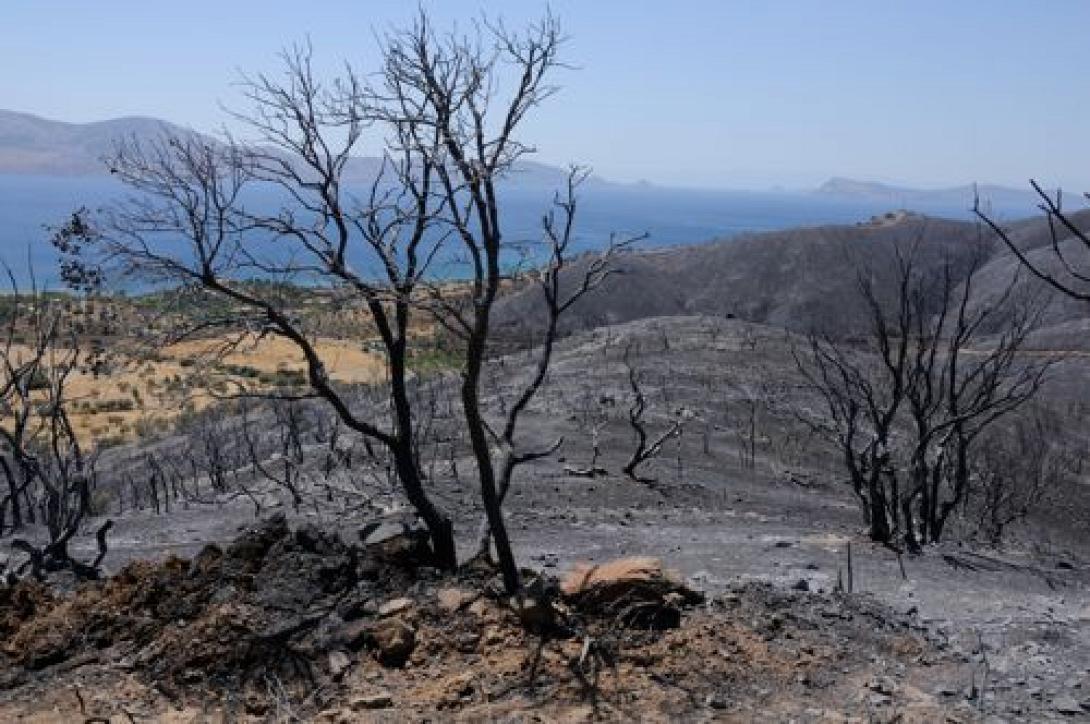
647, 448
908, 406
1015, 468
48, 473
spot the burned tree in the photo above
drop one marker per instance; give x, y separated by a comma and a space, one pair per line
906, 407
284, 435
1016, 468
591, 416
1071, 275
960, 384
49, 474
860, 412
561, 286
646, 448
446, 111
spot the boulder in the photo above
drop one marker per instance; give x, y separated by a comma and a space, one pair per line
401, 543
637, 590
394, 607
394, 641
338, 663
1066, 704
453, 599
376, 700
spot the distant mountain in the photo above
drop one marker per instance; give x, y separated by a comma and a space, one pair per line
904, 197
33, 145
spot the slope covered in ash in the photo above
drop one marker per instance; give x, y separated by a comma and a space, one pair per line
801, 279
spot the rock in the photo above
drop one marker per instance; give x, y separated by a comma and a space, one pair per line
549, 560
467, 642
640, 583
381, 530
1066, 704
453, 599
493, 636
394, 607
461, 687
585, 577
877, 700
882, 685
377, 700
716, 701
394, 641
479, 607
338, 663
256, 705
401, 543
801, 585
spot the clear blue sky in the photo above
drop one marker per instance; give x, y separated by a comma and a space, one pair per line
727, 93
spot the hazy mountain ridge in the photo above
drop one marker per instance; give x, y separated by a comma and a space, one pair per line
906, 197
31, 144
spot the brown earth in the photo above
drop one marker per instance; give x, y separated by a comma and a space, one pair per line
286, 625
142, 393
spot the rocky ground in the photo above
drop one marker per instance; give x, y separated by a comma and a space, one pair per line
293, 624
763, 529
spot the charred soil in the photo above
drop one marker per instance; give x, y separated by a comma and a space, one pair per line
293, 624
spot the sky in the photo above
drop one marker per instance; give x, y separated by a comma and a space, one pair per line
725, 94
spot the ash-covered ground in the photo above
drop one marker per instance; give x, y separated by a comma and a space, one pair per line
746, 494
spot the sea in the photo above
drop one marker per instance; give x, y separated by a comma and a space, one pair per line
31, 205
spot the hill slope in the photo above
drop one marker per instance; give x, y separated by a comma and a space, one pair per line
801, 279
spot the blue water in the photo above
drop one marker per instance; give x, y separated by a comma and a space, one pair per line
28, 204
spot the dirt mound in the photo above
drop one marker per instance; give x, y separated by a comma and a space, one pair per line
19, 604
255, 608
295, 624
